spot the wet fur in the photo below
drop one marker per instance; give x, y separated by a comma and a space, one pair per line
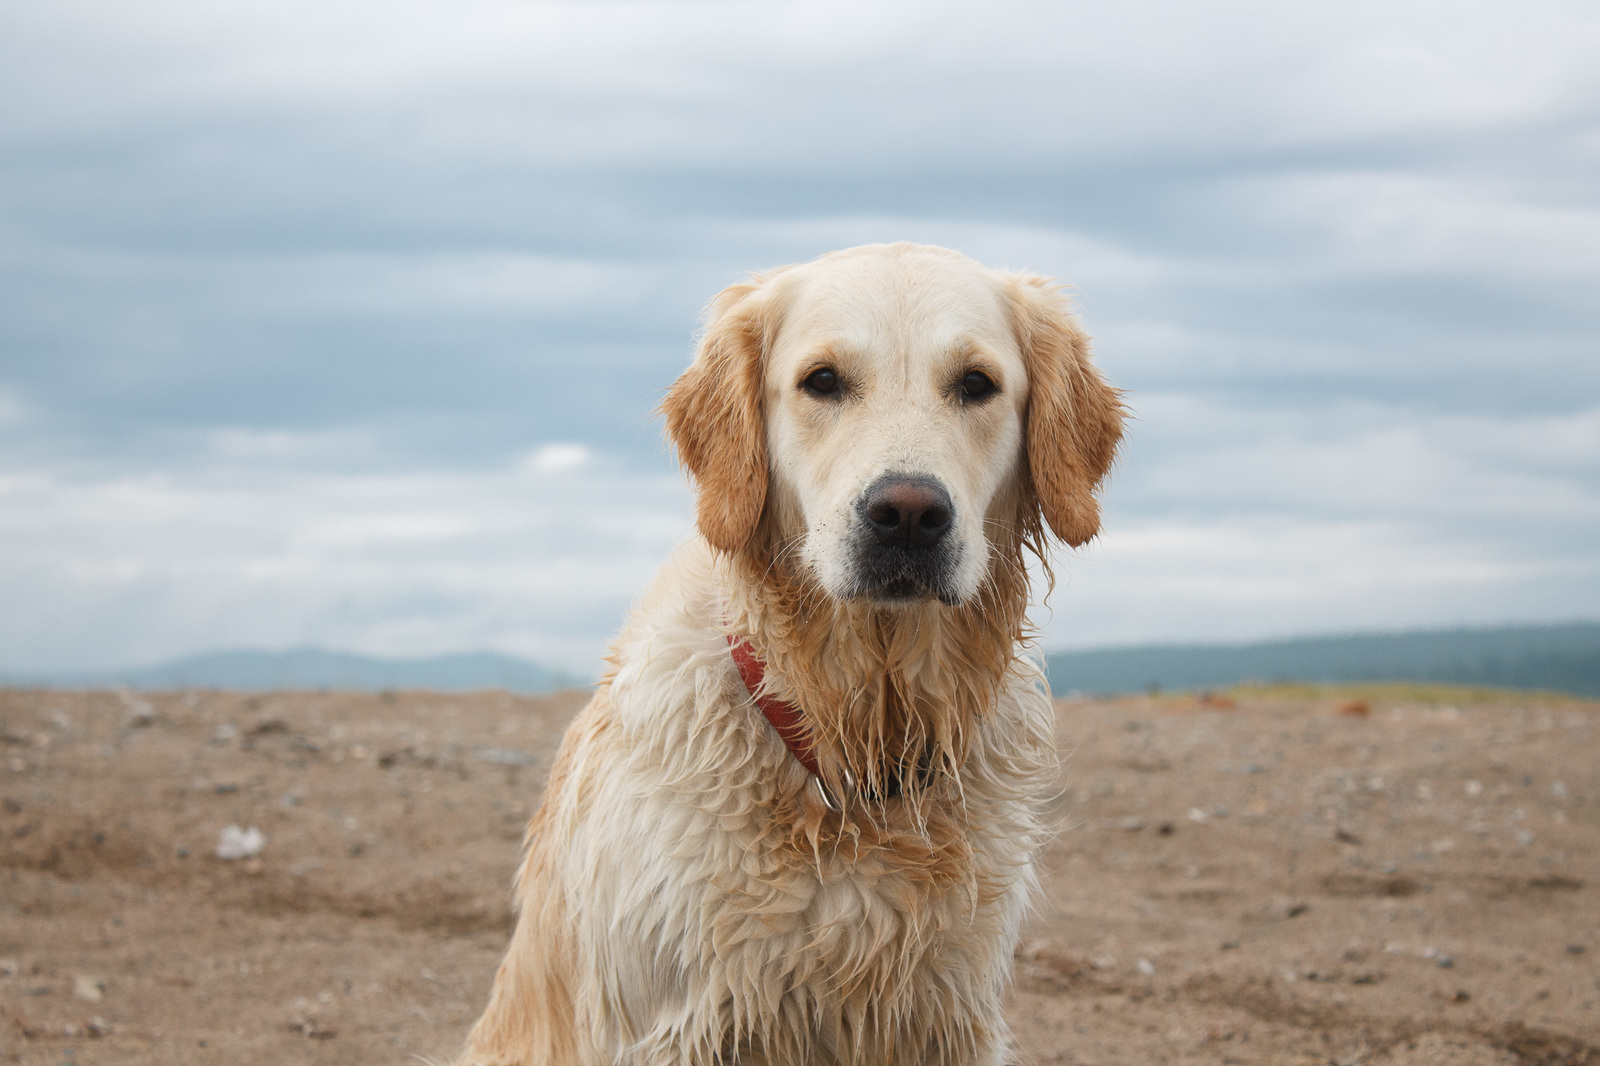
686, 897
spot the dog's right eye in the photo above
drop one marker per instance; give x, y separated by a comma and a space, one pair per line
823, 382
977, 385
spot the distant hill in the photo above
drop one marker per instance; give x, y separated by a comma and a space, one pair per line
1564, 658
314, 668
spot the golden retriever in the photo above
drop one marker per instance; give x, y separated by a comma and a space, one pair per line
796, 823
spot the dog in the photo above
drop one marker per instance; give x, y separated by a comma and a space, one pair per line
796, 822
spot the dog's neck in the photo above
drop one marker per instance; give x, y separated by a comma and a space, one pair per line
892, 694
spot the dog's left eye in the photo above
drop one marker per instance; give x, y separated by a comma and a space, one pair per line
823, 382
976, 385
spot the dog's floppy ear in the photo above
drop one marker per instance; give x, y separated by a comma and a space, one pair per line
714, 417
1074, 418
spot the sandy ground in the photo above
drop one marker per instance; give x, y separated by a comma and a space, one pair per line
1258, 879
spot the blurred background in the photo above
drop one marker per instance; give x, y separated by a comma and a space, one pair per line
341, 327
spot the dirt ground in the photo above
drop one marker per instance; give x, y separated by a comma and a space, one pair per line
1269, 876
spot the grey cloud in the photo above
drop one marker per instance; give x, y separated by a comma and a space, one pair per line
426, 237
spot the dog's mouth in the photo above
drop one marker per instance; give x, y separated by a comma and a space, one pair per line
910, 582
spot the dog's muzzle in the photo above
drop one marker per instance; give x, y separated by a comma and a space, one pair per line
903, 550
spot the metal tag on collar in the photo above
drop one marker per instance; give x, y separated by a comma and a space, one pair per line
828, 799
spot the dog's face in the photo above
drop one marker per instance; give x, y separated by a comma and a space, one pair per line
894, 395
885, 409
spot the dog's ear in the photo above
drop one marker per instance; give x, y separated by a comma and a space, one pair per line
1074, 419
714, 417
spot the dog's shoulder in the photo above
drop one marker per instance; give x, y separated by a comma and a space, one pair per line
672, 691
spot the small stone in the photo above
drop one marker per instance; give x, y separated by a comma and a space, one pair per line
1146, 967
138, 712
1445, 962
505, 756
89, 989
268, 726
308, 1027
1284, 908
1575, 949
236, 843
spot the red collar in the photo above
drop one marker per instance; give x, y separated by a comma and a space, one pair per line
786, 718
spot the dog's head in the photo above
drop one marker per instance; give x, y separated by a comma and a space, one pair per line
885, 411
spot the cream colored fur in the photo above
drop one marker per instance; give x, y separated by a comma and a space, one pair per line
686, 896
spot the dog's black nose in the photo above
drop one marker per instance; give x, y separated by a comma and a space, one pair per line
908, 512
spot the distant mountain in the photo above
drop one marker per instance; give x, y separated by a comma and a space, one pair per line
314, 668
1564, 658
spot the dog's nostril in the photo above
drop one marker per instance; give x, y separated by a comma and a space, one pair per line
884, 516
908, 512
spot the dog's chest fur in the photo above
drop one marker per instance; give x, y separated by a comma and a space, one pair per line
731, 918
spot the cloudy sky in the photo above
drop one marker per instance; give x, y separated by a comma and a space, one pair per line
343, 323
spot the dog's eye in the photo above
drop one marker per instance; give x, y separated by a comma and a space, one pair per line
976, 385
824, 382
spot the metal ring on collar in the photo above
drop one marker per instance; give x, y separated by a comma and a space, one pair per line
828, 799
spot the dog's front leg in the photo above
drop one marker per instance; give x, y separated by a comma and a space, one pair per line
530, 1019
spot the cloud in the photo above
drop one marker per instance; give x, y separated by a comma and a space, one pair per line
538, 559
556, 458
296, 298
1229, 522
1251, 577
